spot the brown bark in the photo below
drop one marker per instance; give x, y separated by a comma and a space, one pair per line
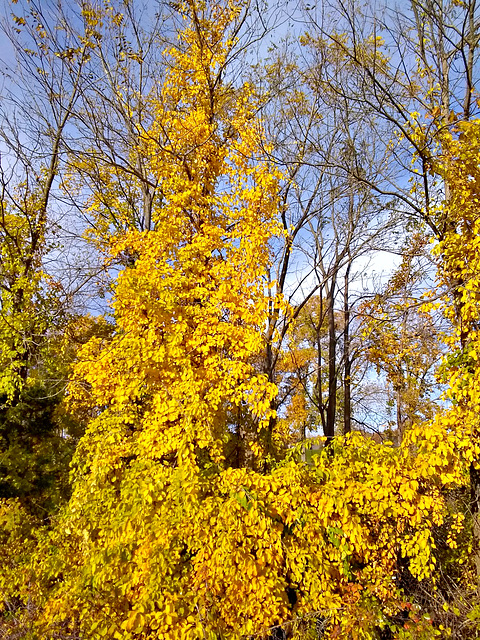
347, 386
475, 508
332, 365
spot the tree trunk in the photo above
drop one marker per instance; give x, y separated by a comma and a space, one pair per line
319, 403
270, 447
332, 368
475, 507
347, 386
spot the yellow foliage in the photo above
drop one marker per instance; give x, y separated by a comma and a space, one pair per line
163, 538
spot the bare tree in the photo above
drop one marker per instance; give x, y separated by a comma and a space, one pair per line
332, 220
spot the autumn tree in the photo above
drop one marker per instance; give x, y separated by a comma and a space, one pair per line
306, 375
414, 71
457, 278
332, 221
36, 436
404, 342
196, 317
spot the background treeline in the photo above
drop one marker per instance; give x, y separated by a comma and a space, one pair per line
228, 229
